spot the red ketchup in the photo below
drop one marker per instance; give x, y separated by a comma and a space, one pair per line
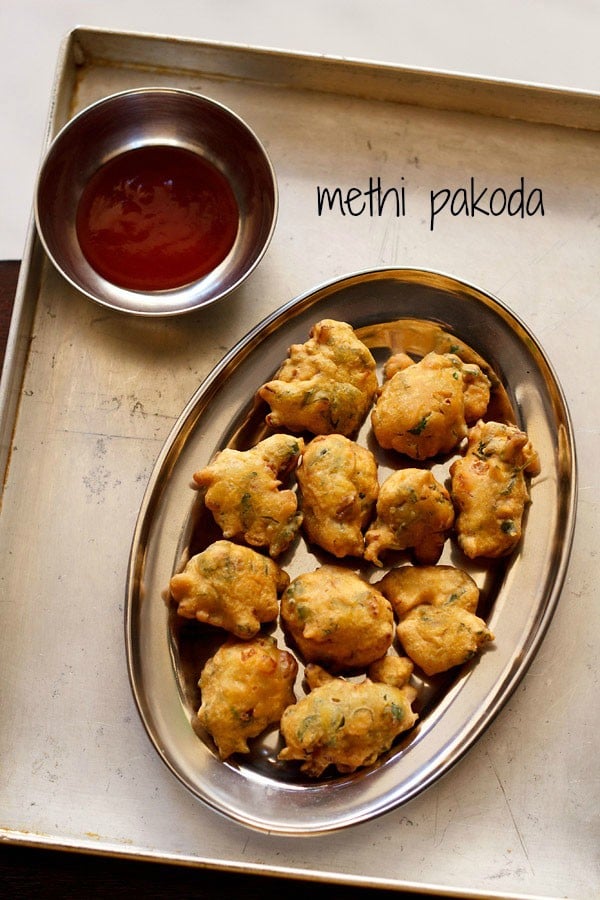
156, 218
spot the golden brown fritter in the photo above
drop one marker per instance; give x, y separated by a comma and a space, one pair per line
339, 487
243, 493
439, 637
489, 489
336, 618
410, 586
396, 363
436, 605
231, 587
325, 386
423, 409
477, 391
344, 724
245, 688
395, 670
414, 511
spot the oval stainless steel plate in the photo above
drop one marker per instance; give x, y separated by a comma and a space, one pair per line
392, 309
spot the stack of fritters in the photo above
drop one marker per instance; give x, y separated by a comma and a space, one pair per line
361, 643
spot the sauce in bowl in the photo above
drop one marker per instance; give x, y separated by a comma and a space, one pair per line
156, 218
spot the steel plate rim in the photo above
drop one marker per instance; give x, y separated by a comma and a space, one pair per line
478, 723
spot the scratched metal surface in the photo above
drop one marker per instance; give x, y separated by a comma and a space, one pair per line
99, 394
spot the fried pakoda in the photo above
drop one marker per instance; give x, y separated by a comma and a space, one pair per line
336, 618
394, 670
344, 724
439, 637
410, 586
489, 489
245, 687
339, 487
243, 493
477, 392
326, 385
231, 587
436, 605
423, 409
414, 511
397, 362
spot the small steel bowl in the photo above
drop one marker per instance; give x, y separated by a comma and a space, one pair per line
160, 117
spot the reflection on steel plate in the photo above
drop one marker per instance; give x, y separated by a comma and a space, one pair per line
391, 309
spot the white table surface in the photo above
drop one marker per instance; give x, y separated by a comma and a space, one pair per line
542, 41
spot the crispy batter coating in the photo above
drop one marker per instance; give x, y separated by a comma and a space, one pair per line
477, 389
413, 511
423, 409
395, 670
230, 586
439, 637
345, 724
410, 586
489, 489
245, 688
339, 487
436, 606
326, 385
397, 362
242, 492
336, 618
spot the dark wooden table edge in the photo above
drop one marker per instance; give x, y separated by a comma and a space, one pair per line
9, 275
54, 874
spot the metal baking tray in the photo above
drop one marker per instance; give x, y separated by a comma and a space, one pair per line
89, 398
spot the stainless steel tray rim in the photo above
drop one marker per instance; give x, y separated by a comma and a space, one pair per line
451, 75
